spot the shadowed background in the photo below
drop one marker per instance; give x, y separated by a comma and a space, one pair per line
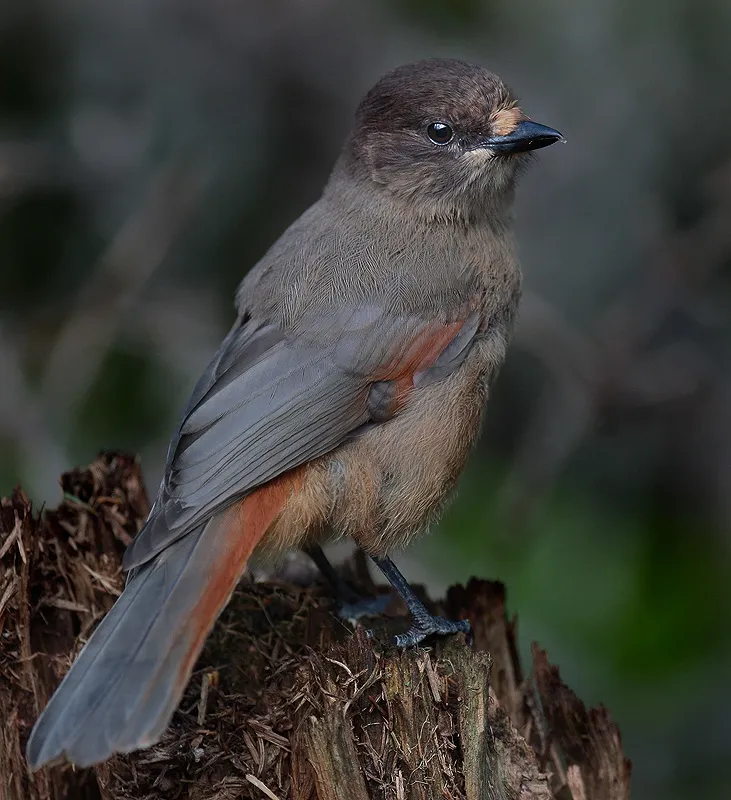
151, 151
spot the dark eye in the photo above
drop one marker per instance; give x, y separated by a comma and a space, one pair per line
440, 132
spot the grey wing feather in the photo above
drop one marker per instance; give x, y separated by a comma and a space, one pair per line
268, 403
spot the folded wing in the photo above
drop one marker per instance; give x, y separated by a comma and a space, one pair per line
272, 400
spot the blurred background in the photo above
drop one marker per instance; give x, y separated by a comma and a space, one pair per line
150, 152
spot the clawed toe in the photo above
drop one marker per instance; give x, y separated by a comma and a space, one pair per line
430, 626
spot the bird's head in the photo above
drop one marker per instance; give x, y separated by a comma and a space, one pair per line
444, 134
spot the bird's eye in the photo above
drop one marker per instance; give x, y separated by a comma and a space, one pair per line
440, 132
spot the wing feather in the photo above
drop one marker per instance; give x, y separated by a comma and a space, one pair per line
269, 402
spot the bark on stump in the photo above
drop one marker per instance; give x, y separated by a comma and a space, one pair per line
287, 701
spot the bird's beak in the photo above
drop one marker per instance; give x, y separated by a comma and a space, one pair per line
527, 135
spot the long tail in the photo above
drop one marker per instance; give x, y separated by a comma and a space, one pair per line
122, 690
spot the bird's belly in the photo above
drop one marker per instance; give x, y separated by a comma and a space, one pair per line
386, 485
392, 480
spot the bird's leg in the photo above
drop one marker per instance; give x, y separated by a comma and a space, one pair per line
352, 605
344, 592
423, 623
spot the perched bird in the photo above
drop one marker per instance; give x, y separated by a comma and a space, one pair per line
343, 401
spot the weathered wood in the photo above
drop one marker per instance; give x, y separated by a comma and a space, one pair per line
287, 701
58, 577
588, 739
473, 675
330, 750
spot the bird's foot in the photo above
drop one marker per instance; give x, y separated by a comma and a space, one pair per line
424, 626
355, 606
351, 604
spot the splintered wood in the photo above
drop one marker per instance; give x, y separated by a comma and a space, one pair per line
287, 701
59, 575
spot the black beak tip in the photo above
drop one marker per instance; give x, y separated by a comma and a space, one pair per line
528, 135
541, 135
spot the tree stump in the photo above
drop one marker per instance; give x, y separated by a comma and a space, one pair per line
287, 700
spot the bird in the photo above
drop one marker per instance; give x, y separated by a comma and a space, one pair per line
344, 401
